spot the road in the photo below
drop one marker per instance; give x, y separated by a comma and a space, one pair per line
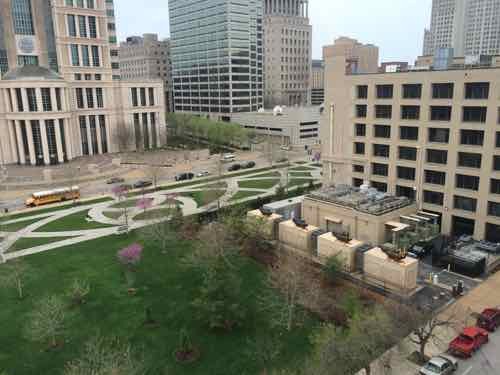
486, 361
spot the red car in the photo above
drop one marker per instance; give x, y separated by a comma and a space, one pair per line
489, 320
470, 340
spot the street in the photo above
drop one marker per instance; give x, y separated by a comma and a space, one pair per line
484, 362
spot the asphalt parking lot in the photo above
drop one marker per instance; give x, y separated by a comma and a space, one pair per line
484, 362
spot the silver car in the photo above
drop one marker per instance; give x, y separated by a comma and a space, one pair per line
440, 365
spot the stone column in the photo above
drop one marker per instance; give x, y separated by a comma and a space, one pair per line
98, 133
20, 144
59, 140
24, 95
45, 143
39, 103
53, 99
12, 93
31, 146
89, 139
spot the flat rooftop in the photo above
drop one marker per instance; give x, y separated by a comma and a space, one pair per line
364, 199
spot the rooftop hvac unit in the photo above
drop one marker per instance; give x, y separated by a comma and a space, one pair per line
489, 247
300, 223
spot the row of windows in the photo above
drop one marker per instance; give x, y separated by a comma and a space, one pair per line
31, 104
84, 55
472, 90
87, 27
136, 92
89, 97
436, 113
90, 4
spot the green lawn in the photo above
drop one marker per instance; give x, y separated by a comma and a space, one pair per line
298, 182
202, 198
26, 243
153, 214
164, 286
300, 174
258, 184
129, 203
113, 214
14, 227
244, 194
303, 168
76, 221
270, 174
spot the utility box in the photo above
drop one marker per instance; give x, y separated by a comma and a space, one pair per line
399, 275
330, 246
271, 222
295, 237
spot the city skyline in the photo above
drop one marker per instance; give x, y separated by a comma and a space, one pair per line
329, 20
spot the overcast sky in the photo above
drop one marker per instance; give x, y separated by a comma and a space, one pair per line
396, 26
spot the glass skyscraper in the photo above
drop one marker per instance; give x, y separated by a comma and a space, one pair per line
216, 55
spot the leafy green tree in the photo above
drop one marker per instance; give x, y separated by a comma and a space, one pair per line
332, 268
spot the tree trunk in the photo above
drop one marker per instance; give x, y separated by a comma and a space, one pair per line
20, 288
368, 370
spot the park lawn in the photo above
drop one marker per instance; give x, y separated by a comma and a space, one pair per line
165, 286
115, 215
244, 194
300, 174
129, 203
202, 198
27, 243
302, 168
73, 222
270, 174
298, 182
153, 214
258, 184
14, 227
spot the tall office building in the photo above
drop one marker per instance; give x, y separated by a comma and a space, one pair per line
470, 27
60, 96
113, 40
216, 53
147, 57
287, 52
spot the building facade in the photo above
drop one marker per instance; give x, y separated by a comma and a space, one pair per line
147, 57
216, 53
287, 53
433, 136
317, 82
362, 58
112, 38
470, 27
59, 95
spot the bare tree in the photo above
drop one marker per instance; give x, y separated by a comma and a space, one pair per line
161, 234
106, 357
290, 276
12, 274
46, 322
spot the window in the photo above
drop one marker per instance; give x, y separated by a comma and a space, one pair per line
82, 26
382, 131
381, 151
79, 98
90, 98
474, 114
104, 135
361, 110
357, 182
75, 56
143, 96
23, 60
496, 163
71, 25
492, 233
360, 130
359, 148
362, 92
32, 103
95, 56
409, 133
85, 55
440, 113
383, 111
358, 168
99, 96
464, 203
438, 135
410, 112
405, 191
497, 140
477, 90
22, 17
83, 135
380, 169
442, 90
46, 99
494, 186
435, 177
407, 153
90, 4
385, 91
467, 182
151, 96
472, 137
135, 102
406, 173
469, 160
494, 209
93, 133
412, 91
433, 197
380, 186
92, 27
88, 77
437, 156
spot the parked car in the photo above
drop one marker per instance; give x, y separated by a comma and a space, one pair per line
184, 176
115, 180
228, 157
248, 165
234, 167
440, 365
203, 174
285, 148
420, 250
469, 341
126, 186
142, 184
489, 320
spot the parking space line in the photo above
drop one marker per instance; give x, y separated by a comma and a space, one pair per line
468, 370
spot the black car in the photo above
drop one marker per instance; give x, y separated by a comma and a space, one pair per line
142, 184
249, 164
184, 176
115, 180
234, 167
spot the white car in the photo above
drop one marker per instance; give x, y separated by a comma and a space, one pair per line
203, 174
440, 365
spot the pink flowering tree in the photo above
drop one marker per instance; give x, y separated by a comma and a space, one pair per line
172, 200
120, 192
130, 257
144, 203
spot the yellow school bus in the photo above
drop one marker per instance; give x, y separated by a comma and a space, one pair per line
53, 196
